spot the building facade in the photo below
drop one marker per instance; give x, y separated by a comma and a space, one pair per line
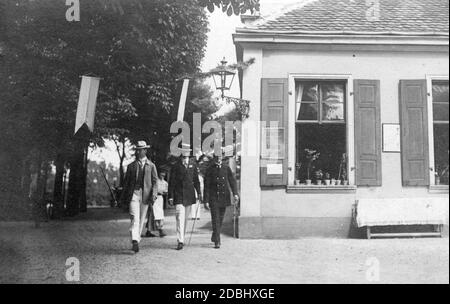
355, 98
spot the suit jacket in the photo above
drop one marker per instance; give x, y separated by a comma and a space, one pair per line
183, 184
150, 183
219, 182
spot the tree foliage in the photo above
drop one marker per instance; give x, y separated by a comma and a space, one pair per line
137, 47
138, 51
232, 6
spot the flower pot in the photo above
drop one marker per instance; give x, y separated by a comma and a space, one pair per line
318, 182
297, 182
327, 182
333, 182
308, 182
345, 183
337, 182
437, 180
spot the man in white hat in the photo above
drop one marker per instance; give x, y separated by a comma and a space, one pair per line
139, 191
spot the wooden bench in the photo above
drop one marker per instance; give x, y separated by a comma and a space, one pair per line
371, 213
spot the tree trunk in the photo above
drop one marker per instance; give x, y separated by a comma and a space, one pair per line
45, 168
75, 183
122, 157
26, 179
17, 174
58, 193
76, 200
84, 171
37, 192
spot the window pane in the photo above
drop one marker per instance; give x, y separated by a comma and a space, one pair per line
308, 111
440, 92
330, 140
441, 152
332, 92
310, 91
332, 111
440, 112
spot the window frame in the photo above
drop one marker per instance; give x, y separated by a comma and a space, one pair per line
347, 79
320, 103
430, 79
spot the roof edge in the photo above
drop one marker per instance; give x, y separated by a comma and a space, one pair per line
342, 33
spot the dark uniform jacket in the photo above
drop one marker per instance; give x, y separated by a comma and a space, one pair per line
183, 184
219, 181
150, 179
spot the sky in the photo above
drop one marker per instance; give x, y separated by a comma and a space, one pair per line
220, 41
220, 44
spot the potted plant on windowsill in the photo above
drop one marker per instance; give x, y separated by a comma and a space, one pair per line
437, 179
327, 179
441, 177
298, 167
319, 175
342, 178
311, 156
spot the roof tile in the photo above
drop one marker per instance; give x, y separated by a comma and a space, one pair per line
431, 16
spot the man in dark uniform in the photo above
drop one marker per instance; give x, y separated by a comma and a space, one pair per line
219, 182
183, 184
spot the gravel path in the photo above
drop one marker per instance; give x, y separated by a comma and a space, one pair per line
100, 241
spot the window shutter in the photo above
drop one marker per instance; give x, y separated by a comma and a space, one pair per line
274, 108
414, 128
367, 132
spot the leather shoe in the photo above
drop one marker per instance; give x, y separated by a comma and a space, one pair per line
149, 234
217, 245
180, 246
162, 233
135, 247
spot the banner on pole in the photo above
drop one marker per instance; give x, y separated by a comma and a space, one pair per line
87, 103
183, 98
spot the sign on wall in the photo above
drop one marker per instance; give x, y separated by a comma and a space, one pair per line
273, 143
391, 138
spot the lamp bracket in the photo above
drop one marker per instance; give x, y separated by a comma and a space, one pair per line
242, 105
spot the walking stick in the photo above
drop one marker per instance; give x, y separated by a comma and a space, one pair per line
109, 187
193, 225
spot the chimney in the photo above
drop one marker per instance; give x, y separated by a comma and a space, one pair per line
248, 19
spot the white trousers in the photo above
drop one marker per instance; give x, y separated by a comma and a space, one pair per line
195, 211
158, 208
182, 213
138, 213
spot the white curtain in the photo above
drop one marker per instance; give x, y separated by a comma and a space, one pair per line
298, 97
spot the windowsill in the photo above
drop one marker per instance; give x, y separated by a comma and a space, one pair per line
320, 189
439, 189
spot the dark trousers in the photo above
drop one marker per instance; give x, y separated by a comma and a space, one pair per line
151, 224
217, 216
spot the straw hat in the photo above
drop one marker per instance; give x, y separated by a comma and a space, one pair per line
142, 145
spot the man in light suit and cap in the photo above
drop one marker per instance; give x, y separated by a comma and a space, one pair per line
139, 191
183, 186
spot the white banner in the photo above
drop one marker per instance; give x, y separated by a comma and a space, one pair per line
183, 97
87, 103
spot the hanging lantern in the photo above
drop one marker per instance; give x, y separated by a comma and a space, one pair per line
223, 77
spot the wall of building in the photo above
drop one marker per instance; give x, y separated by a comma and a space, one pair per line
335, 209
